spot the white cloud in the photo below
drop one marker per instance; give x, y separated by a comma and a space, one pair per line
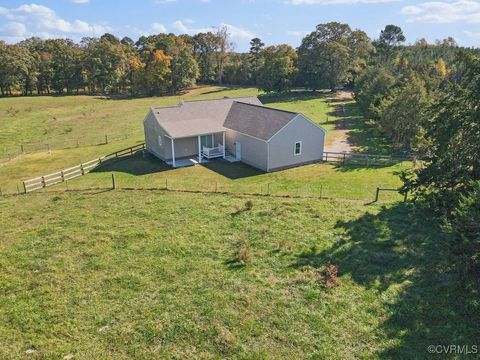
238, 32
332, 2
39, 19
13, 31
80, 1
235, 31
444, 12
181, 27
159, 28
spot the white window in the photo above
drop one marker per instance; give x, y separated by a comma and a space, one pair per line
160, 140
298, 148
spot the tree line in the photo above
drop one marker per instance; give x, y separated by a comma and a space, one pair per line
160, 64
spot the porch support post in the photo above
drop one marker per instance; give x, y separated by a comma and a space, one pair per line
173, 152
223, 155
199, 149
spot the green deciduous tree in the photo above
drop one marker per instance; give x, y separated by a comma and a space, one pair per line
403, 114
278, 70
328, 55
203, 48
452, 160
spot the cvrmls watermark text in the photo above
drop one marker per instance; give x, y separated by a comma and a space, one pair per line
453, 349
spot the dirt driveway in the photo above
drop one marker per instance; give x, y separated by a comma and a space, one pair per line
338, 141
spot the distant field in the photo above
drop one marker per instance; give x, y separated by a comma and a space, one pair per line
62, 121
154, 275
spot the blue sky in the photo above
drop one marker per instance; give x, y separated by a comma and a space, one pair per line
274, 21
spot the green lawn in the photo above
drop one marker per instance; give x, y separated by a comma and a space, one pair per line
146, 274
337, 181
102, 274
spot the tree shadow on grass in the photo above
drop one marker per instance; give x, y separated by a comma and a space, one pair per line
402, 253
362, 133
293, 96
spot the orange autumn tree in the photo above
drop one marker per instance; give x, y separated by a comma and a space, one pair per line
157, 72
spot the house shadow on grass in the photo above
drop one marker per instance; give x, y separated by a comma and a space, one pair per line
402, 253
140, 163
237, 170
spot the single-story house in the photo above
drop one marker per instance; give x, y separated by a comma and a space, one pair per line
236, 129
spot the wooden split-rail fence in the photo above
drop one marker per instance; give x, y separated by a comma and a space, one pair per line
366, 159
41, 182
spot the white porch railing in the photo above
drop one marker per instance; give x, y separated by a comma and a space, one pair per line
213, 152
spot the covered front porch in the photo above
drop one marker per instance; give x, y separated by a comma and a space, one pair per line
207, 146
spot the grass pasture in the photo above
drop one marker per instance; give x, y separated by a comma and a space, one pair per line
326, 180
148, 274
153, 275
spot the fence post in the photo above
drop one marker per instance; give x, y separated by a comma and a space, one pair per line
166, 184
326, 157
24, 187
21, 148
377, 194
18, 190
106, 139
63, 176
78, 145
405, 196
81, 169
43, 182
321, 191
268, 189
114, 185
1, 192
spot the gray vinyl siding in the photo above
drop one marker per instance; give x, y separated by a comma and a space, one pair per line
184, 147
254, 151
281, 152
152, 131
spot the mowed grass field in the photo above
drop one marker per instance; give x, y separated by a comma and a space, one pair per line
148, 275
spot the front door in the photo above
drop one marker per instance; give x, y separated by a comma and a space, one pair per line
238, 151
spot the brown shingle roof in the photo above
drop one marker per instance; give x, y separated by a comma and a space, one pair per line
258, 121
192, 118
